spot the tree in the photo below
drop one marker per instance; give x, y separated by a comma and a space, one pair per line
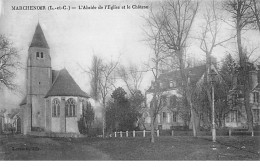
120, 115
227, 72
132, 76
105, 84
209, 38
154, 40
102, 81
87, 118
178, 18
137, 100
95, 74
242, 17
255, 8
8, 63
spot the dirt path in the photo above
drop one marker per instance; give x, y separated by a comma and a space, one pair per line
31, 148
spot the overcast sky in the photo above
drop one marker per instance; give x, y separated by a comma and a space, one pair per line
74, 36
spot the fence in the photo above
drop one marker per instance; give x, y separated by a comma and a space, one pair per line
144, 133
240, 132
147, 133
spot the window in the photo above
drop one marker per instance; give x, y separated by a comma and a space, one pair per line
233, 116
256, 115
38, 55
168, 118
164, 116
151, 104
55, 108
174, 117
172, 84
70, 108
227, 118
256, 97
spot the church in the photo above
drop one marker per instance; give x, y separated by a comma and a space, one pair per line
53, 101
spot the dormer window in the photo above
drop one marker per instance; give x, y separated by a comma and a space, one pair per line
172, 84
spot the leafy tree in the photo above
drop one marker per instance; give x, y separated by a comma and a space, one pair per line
87, 118
121, 115
137, 100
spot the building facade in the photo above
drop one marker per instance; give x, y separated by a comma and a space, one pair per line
171, 115
237, 116
53, 102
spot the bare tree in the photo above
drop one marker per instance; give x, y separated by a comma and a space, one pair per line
154, 39
178, 18
132, 76
105, 84
8, 63
255, 7
242, 18
102, 81
210, 39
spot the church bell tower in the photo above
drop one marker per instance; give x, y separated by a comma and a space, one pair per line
39, 78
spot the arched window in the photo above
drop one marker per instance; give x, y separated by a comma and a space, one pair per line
56, 108
70, 107
37, 55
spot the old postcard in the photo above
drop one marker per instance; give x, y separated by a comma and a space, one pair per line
129, 80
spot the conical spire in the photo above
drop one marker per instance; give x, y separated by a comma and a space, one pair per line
39, 39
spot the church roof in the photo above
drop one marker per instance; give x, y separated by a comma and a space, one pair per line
54, 75
64, 85
24, 101
39, 38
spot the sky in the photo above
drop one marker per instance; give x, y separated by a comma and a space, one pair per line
75, 36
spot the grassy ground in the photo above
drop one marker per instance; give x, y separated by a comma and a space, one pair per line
164, 148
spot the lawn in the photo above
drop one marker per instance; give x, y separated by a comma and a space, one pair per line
164, 148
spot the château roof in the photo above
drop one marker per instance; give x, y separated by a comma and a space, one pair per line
64, 85
39, 38
195, 74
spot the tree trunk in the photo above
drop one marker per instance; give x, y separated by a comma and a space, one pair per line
104, 117
152, 129
193, 119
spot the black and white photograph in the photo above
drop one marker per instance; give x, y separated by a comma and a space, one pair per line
130, 80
